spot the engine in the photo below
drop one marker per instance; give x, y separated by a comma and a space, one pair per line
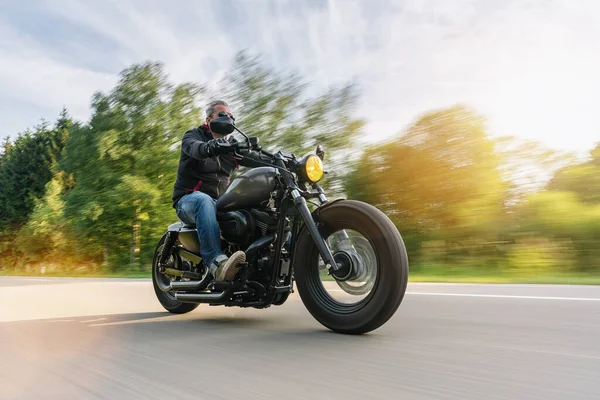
242, 227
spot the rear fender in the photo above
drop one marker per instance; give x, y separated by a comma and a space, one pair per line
188, 237
176, 227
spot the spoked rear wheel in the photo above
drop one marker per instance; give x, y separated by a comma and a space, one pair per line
369, 288
167, 299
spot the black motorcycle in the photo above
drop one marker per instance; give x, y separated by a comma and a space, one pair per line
346, 257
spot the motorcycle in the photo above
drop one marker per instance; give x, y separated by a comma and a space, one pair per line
339, 251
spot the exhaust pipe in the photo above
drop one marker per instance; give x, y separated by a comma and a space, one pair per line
190, 285
204, 297
184, 285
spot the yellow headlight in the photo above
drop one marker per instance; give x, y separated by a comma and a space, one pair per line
314, 168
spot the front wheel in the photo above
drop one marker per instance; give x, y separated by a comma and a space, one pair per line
369, 288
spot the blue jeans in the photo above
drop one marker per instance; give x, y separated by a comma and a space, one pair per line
199, 208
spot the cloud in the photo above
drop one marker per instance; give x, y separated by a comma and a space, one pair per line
530, 67
29, 75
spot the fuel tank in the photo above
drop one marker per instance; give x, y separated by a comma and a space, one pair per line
251, 189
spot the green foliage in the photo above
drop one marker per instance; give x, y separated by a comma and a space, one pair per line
563, 215
110, 189
96, 197
462, 199
124, 163
26, 167
583, 179
439, 178
275, 107
533, 256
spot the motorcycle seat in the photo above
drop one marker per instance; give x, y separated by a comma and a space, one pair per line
185, 225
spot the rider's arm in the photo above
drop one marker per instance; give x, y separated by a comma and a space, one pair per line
194, 147
252, 160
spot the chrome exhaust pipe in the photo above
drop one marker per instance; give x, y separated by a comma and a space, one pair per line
205, 297
190, 285
184, 285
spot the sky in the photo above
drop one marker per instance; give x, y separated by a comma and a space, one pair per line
530, 67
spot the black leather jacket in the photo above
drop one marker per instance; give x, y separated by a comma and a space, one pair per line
198, 171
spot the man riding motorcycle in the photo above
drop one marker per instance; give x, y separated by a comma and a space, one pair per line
203, 174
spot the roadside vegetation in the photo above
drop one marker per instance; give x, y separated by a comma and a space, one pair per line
91, 198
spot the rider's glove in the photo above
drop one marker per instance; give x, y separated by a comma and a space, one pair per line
218, 146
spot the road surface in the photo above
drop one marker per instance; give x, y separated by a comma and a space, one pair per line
110, 339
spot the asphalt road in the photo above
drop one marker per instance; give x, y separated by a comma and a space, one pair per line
110, 339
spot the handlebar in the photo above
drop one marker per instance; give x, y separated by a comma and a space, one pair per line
286, 164
252, 145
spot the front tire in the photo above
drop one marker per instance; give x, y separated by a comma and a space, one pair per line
389, 280
167, 299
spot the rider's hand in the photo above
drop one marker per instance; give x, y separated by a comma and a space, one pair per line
218, 146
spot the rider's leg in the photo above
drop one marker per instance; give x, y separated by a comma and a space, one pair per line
199, 208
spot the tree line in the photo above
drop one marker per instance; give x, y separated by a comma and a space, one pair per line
95, 196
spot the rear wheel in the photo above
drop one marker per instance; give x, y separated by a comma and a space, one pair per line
167, 299
369, 288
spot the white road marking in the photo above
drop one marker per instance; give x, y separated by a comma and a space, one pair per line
61, 320
33, 279
92, 320
503, 296
499, 296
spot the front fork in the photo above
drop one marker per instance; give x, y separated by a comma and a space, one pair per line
324, 250
300, 204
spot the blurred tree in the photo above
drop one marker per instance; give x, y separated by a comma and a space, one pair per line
45, 239
441, 174
275, 107
582, 179
26, 169
112, 188
595, 154
101, 192
570, 209
5, 149
528, 165
124, 163
439, 179
562, 215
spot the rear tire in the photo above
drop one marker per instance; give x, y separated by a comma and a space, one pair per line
167, 299
390, 281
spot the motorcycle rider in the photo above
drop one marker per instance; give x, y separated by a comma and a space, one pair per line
203, 174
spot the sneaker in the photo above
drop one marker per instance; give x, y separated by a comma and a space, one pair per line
228, 268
